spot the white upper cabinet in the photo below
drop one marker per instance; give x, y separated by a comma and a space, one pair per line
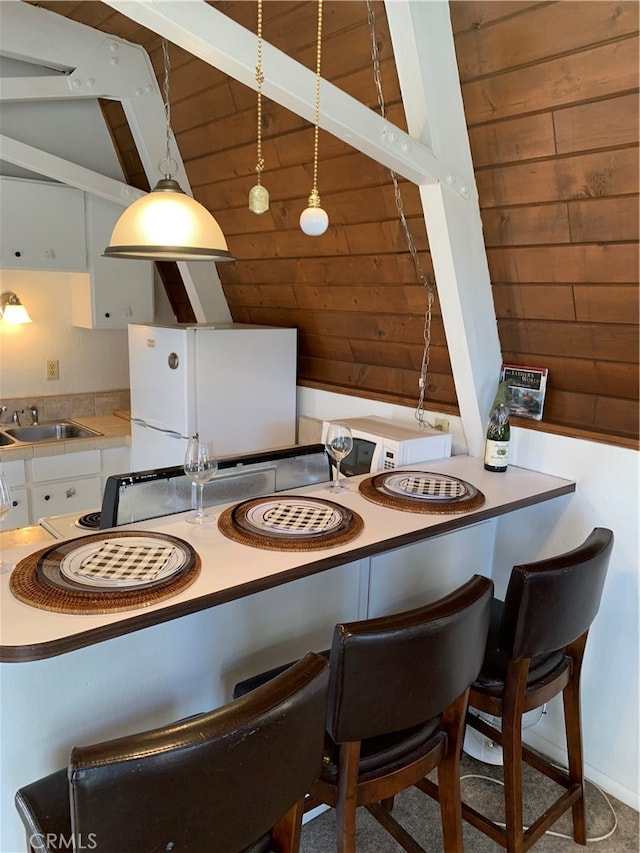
42, 225
116, 292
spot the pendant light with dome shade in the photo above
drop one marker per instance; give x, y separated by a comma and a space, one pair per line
167, 224
314, 220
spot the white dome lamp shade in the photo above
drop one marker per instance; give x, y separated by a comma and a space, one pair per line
168, 225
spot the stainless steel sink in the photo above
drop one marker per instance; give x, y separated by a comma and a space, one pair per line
58, 431
5, 440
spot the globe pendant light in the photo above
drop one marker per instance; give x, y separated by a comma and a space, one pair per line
314, 220
167, 224
259, 195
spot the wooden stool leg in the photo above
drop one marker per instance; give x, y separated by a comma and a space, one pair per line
512, 754
346, 802
449, 775
288, 830
573, 730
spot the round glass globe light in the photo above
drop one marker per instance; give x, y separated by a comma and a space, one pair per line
314, 221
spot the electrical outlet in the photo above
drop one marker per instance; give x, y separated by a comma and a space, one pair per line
441, 424
53, 368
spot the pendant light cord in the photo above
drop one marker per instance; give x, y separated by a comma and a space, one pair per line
420, 276
170, 165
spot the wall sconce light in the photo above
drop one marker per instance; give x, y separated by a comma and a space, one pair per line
12, 310
167, 224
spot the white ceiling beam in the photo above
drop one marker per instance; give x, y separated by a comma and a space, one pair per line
34, 89
221, 42
59, 169
429, 80
35, 35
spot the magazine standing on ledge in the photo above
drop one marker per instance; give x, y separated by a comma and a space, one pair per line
525, 396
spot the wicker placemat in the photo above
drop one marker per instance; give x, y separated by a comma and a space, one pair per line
233, 523
373, 489
30, 587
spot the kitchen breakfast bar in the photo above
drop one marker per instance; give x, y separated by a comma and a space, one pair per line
69, 679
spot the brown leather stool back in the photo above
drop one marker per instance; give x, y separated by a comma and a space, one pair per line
394, 672
217, 781
551, 603
398, 689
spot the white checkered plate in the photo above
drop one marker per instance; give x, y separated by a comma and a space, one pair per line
294, 517
427, 487
123, 562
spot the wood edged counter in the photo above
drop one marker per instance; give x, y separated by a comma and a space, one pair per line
231, 570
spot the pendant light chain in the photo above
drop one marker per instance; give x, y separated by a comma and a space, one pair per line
314, 220
314, 191
170, 165
259, 81
259, 195
420, 276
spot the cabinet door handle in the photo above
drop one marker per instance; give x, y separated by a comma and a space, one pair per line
70, 493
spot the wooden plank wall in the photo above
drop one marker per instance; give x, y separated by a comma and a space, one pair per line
551, 100
551, 97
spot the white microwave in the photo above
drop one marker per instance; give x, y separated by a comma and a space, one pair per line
380, 444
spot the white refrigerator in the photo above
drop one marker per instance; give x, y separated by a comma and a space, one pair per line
231, 383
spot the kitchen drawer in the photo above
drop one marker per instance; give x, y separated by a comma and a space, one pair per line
14, 473
63, 497
65, 466
18, 515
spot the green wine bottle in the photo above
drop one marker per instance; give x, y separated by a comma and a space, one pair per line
496, 452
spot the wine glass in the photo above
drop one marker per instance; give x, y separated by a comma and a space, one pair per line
5, 506
200, 466
338, 443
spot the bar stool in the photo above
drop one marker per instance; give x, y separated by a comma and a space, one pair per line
534, 652
397, 700
231, 780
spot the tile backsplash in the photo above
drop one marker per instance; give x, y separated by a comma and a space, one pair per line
63, 406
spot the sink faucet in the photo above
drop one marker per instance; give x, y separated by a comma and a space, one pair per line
34, 415
3, 409
15, 417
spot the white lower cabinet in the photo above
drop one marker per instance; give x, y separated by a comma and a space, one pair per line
18, 515
75, 495
66, 483
57, 485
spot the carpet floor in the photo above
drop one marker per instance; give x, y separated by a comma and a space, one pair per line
420, 816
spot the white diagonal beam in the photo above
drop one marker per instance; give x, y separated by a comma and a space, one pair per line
37, 160
216, 39
425, 59
35, 35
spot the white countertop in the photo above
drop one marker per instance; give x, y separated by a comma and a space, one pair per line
231, 570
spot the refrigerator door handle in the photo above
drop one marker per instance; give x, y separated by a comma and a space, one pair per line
170, 432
